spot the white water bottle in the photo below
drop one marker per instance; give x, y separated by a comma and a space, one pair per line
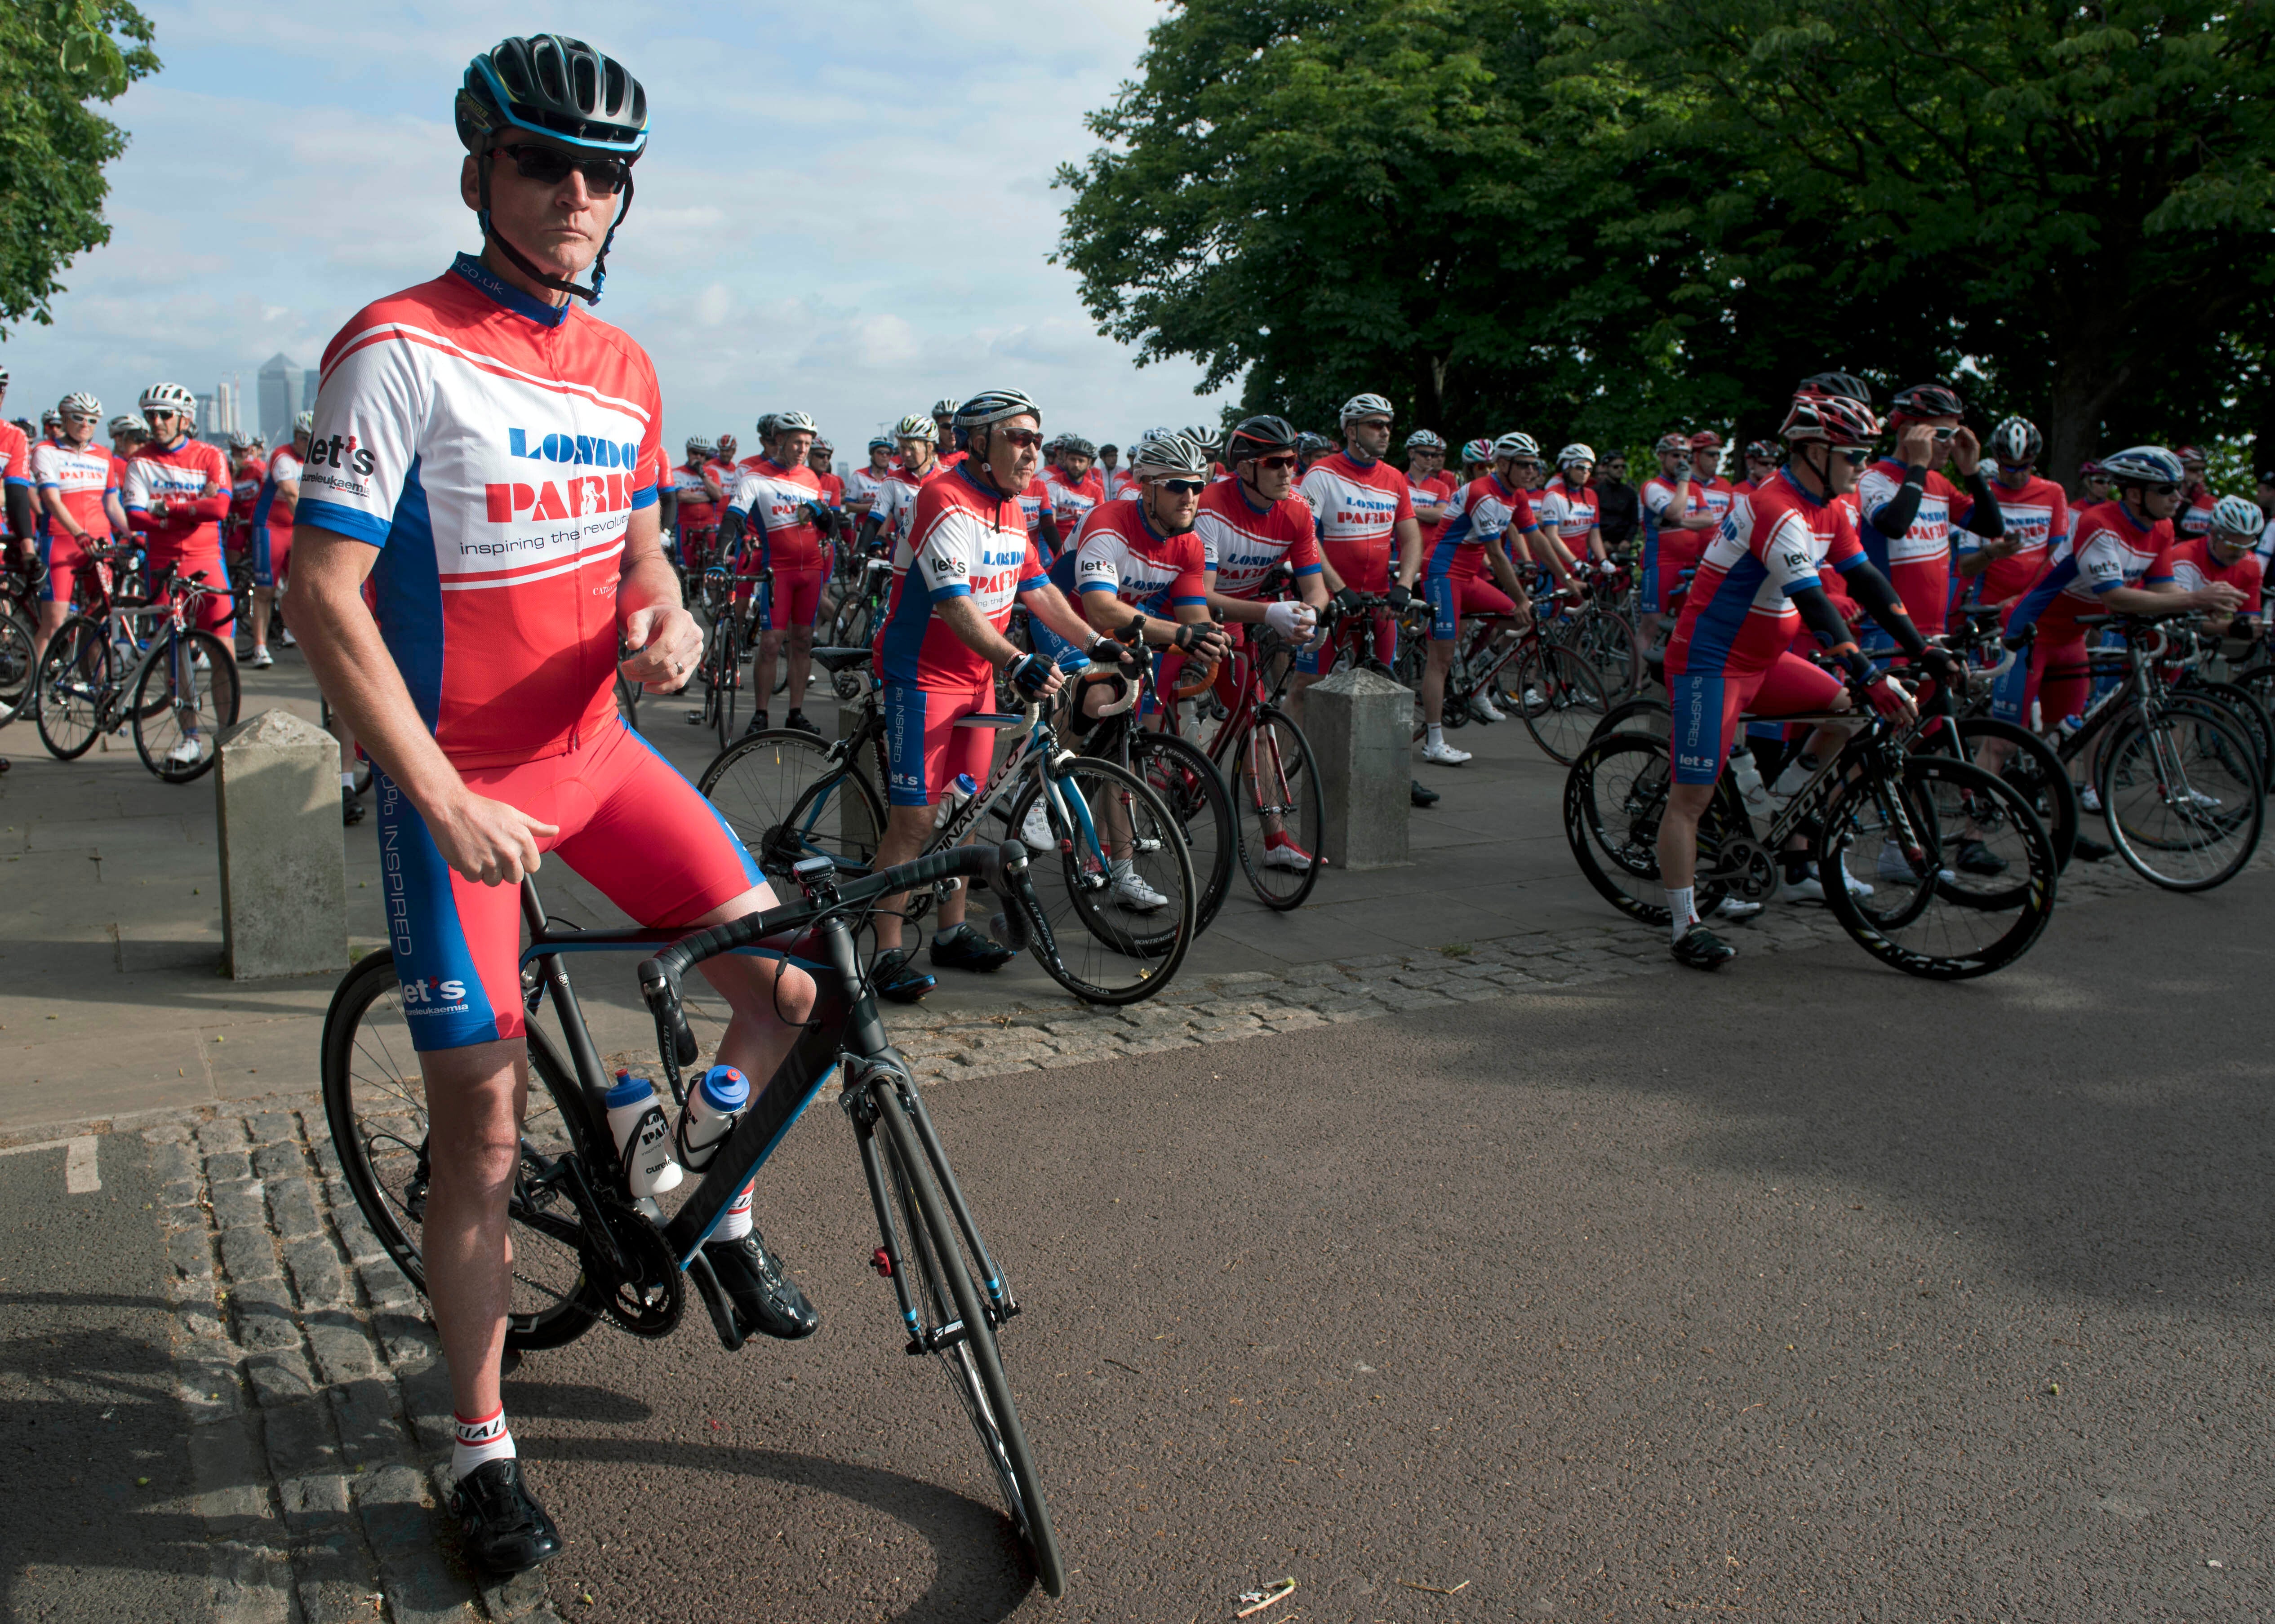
956, 794
643, 1137
714, 1106
1751, 790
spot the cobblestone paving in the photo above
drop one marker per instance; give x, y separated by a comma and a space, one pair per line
318, 1405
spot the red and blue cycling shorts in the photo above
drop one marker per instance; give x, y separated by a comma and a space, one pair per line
629, 823
1454, 599
272, 554
924, 748
1707, 705
791, 597
1675, 550
66, 559
2055, 673
217, 609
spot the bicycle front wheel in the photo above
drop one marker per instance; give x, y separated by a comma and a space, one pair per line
1891, 842
1276, 792
961, 1328
78, 676
183, 699
1605, 640
18, 659
2183, 797
727, 687
1113, 878
1558, 694
1194, 793
375, 1103
787, 798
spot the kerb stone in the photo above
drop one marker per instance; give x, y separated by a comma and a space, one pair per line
1361, 724
283, 860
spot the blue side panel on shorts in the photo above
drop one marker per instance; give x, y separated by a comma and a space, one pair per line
904, 633
751, 870
904, 742
1445, 601
2012, 690
1699, 746
266, 499
443, 1002
410, 591
264, 564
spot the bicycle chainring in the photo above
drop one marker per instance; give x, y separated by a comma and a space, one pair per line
1746, 866
647, 1294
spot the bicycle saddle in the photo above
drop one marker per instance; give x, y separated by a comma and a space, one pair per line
836, 660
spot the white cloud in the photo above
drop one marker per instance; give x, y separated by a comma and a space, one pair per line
844, 210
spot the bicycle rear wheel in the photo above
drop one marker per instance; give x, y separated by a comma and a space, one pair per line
77, 675
375, 1103
1108, 944
2034, 771
1614, 798
1605, 640
1899, 835
968, 1351
2248, 709
1557, 693
1276, 785
727, 688
18, 659
182, 701
2183, 797
1194, 793
787, 799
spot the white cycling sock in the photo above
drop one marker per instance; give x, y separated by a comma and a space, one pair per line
347, 780
736, 1224
1437, 733
480, 1442
1682, 910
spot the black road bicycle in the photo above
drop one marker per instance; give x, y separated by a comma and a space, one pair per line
584, 1249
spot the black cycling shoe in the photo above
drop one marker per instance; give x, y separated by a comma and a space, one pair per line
1974, 857
894, 976
506, 1531
351, 808
2088, 851
966, 949
1420, 793
763, 1294
1701, 948
796, 719
758, 722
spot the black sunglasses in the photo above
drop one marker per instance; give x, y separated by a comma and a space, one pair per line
550, 166
1855, 456
1185, 487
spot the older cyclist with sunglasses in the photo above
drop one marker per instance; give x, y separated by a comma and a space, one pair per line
488, 457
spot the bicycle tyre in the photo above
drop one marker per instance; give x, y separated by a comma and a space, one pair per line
1195, 792
2036, 771
77, 675
158, 712
2227, 755
730, 686
1265, 782
2251, 714
975, 1363
1092, 951
1614, 796
766, 784
18, 661
1637, 716
1567, 700
363, 1057
1931, 902
1607, 641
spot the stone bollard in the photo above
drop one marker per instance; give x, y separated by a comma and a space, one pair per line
283, 860
1361, 726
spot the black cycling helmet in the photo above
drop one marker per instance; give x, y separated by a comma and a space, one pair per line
1075, 445
561, 89
1259, 436
1926, 400
1846, 385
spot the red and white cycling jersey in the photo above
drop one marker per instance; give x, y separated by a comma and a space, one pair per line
2193, 569
80, 478
1358, 509
1715, 494
773, 494
282, 466
897, 508
2036, 515
833, 489
1917, 563
1738, 617
244, 483
1483, 511
1033, 500
964, 541
1573, 513
1242, 545
698, 509
15, 456
2106, 549
1070, 504
494, 449
863, 484
182, 477
1123, 555
2195, 516
1435, 491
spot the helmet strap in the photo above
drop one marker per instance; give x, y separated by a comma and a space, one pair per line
591, 294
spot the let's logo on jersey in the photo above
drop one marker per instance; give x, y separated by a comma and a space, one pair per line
429, 991
545, 495
343, 454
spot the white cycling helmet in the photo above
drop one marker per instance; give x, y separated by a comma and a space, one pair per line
2238, 516
2144, 465
697, 446
1167, 454
122, 426
81, 405
995, 406
795, 423
944, 408
916, 425
1516, 445
1423, 439
1576, 453
168, 397
304, 423
1366, 406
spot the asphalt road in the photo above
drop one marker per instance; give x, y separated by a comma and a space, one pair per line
1805, 1291
94, 1525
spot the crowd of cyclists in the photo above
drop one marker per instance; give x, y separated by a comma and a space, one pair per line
476, 601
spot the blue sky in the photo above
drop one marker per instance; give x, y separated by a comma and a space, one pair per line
844, 210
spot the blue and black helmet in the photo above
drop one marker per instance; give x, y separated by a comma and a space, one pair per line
553, 86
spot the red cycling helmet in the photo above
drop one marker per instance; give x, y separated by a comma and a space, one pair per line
1679, 443
1706, 440
1763, 450
1837, 420
2189, 453
2091, 470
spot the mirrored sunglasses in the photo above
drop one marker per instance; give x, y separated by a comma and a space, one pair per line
550, 166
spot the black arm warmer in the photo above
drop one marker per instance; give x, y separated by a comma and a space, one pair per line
1896, 515
1818, 613
1047, 524
19, 512
1879, 599
869, 529
1985, 521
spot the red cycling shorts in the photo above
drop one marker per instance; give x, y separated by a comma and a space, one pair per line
1707, 704
925, 747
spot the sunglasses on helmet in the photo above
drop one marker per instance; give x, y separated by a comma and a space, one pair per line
550, 166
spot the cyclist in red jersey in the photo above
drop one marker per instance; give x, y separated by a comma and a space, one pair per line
16, 490
2227, 552
1761, 463
943, 421
780, 500
1706, 480
2197, 500
820, 458
1676, 528
1756, 583
177, 493
1477, 460
269, 534
1075, 488
77, 487
487, 455
1910, 510
690, 504
1482, 512
894, 511
1566, 510
248, 467
942, 644
1365, 508
1433, 488
2034, 515
863, 484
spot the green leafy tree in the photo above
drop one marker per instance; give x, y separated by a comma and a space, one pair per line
2065, 208
56, 58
